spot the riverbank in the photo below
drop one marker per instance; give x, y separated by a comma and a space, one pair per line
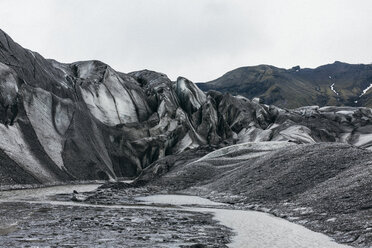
47, 217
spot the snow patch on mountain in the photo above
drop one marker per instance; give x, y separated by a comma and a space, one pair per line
333, 89
365, 90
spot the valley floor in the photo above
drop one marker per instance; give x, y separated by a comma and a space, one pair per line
136, 217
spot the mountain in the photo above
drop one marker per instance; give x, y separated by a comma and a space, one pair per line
84, 120
337, 84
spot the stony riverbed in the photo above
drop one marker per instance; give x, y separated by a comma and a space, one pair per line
33, 218
134, 217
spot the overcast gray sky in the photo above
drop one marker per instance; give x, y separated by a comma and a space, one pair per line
198, 39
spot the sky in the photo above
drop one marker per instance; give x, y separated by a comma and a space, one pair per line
197, 39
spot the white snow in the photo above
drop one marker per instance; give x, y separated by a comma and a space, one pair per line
256, 100
365, 90
331, 219
346, 112
242, 97
332, 88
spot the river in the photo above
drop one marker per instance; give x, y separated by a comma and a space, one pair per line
251, 228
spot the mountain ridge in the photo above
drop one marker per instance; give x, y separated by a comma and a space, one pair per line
337, 84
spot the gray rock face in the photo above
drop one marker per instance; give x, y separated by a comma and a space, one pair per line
87, 121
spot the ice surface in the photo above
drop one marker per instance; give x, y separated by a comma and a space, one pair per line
256, 149
186, 142
124, 103
13, 144
63, 115
346, 112
110, 102
38, 105
101, 104
85, 69
194, 94
8, 85
363, 139
297, 132
254, 134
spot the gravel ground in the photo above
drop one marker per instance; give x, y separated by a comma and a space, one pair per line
45, 225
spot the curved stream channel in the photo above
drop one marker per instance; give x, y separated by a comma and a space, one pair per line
33, 218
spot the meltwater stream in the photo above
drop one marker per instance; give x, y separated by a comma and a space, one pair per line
253, 229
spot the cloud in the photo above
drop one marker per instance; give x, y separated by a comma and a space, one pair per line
199, 39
